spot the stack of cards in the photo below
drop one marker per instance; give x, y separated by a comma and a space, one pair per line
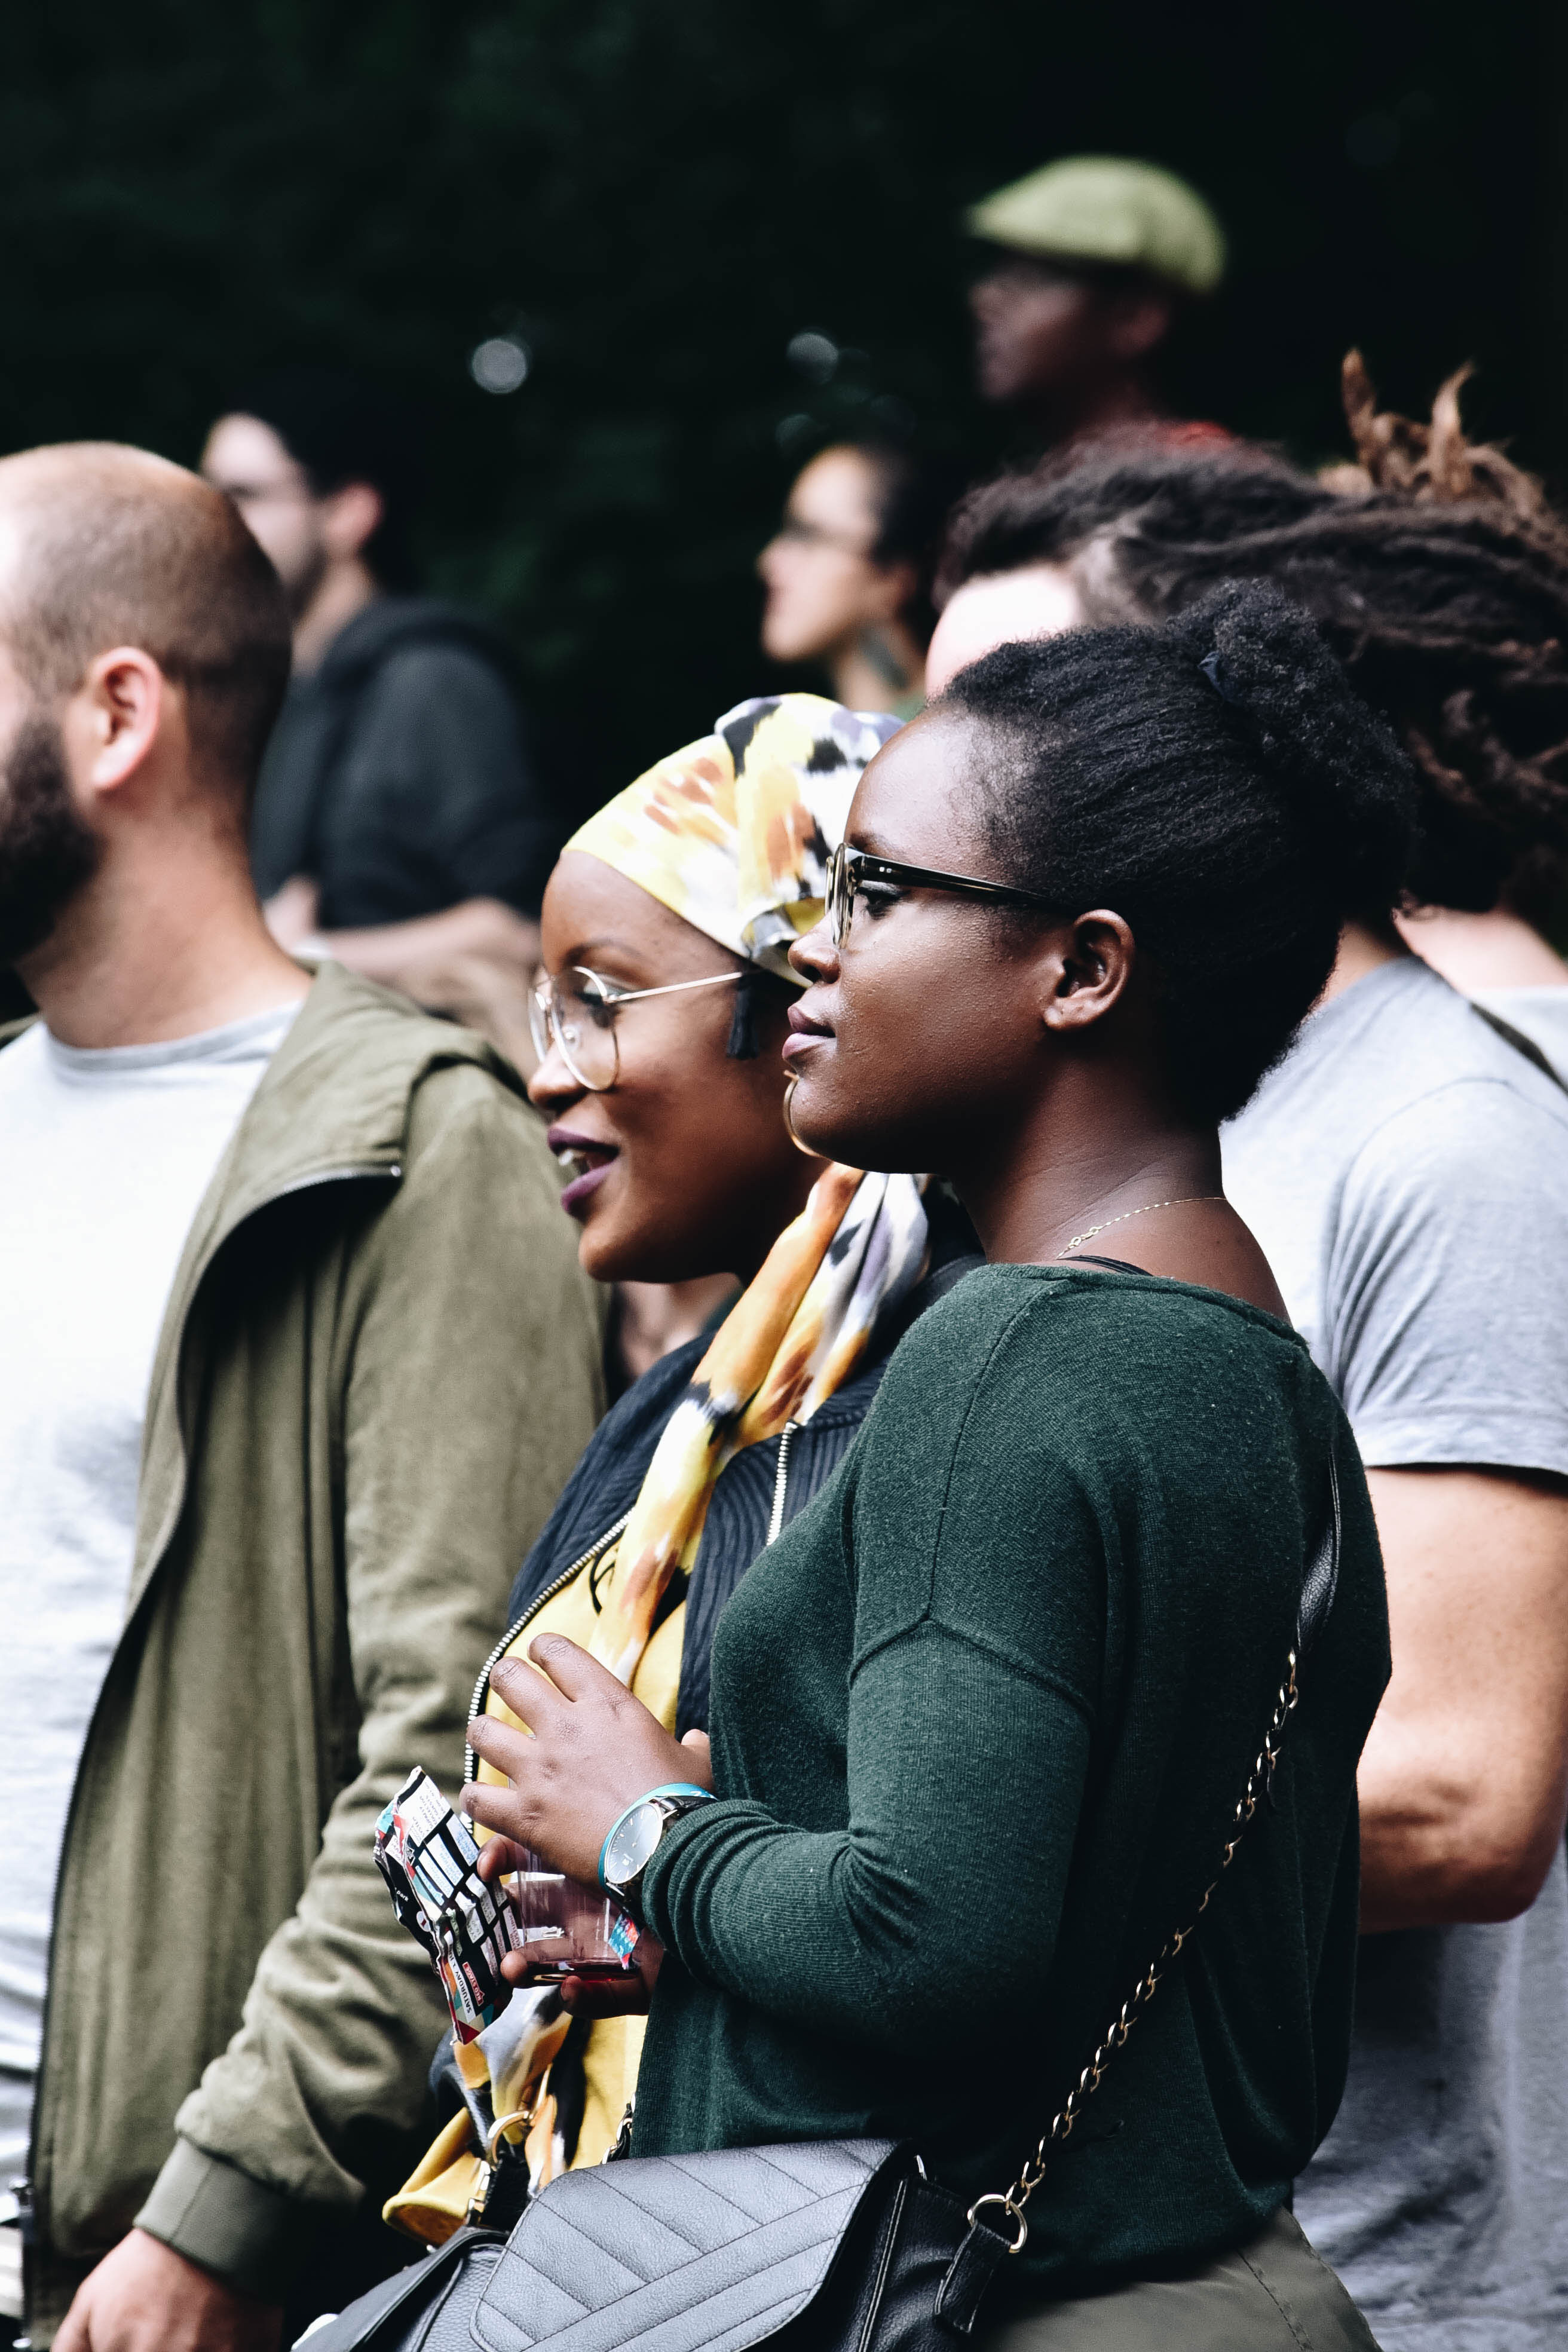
427, 1853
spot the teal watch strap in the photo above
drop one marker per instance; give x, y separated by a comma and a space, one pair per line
665, 1789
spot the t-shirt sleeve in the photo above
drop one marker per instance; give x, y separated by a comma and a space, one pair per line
1447, 1292
444, 730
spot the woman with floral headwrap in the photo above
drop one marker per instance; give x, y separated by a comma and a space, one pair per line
660, 1024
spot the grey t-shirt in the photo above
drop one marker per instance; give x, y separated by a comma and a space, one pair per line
1539, 1013
1406, 1172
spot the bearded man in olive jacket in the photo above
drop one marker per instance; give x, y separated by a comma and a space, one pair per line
294, 1249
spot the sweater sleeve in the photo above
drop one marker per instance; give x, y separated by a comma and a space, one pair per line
951, 1870
977, 1571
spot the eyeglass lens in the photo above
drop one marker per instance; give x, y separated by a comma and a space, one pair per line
569, 1013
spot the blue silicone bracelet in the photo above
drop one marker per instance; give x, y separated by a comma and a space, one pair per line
665, 1788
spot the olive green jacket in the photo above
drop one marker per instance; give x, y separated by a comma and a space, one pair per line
378, 1363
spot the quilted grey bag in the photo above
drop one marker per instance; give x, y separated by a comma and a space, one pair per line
819, 2244
816, 2246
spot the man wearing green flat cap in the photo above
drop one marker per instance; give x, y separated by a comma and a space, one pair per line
1101, 258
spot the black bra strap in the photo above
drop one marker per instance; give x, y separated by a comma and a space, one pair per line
1117, 1264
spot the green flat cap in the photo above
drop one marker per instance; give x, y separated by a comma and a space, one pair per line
1106, 208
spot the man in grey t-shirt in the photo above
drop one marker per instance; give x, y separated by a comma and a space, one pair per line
1406, 1172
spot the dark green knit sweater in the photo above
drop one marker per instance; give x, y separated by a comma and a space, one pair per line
980, 1719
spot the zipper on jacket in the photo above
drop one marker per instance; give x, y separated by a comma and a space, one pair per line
482, 1687
780, 1481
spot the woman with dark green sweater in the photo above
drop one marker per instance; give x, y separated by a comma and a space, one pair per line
982, 1715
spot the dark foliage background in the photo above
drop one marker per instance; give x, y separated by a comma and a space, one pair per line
657, 194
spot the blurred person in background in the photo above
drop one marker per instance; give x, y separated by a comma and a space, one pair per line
1500, 955
669, 1110
1404, 1169
848, 572
399, 826
1446, 594
849, 577
294, 1358
1107, 262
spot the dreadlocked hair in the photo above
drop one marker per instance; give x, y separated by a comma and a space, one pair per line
1219, 783
1435, 569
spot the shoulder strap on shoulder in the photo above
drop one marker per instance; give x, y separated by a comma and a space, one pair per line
1519, 1041
1321, 1581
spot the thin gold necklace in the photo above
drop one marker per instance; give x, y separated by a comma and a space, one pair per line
1089, 1232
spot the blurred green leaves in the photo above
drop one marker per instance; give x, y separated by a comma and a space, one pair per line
655, 197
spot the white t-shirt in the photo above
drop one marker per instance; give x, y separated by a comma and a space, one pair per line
1406, 1173
104, 1159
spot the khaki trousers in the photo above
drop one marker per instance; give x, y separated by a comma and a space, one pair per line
1274, 2294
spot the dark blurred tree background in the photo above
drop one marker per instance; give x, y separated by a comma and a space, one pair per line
655, 196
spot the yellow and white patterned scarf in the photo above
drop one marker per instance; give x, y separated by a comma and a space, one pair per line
794, 1335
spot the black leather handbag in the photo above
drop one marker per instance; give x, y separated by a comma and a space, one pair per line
817, 2246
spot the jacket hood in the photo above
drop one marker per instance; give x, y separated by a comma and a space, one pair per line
393, 623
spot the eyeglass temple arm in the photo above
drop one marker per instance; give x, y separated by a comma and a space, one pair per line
876, 869
671, 988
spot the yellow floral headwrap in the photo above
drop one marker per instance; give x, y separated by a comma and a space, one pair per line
734, 833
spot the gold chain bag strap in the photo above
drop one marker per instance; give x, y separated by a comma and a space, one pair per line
1317, 1598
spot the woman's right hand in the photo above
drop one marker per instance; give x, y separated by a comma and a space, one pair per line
628, 1996
631, 1997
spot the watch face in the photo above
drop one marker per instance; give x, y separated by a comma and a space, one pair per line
634, 1843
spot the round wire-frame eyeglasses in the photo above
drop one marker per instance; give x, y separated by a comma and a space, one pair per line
575, 1012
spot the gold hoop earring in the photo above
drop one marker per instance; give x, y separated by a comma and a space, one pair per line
790, 1085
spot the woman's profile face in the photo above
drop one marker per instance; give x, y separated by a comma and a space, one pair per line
920, 1035
684, 1166
822, 588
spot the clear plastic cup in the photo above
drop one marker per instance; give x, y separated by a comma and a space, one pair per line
567, 1929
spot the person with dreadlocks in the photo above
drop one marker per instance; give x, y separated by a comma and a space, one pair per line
1436, 571
1497, 955
1403, 1169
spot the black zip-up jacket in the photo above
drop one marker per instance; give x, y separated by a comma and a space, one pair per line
399, 775
606, 1480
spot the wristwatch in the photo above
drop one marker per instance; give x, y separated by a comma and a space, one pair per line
632, 1842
